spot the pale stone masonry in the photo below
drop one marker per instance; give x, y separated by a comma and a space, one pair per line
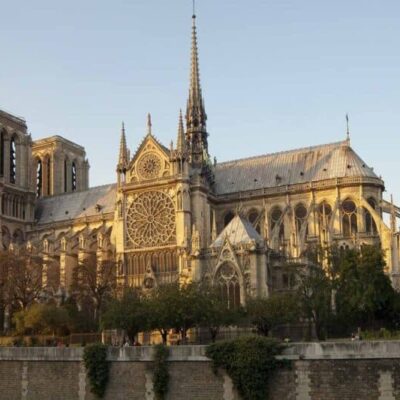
175, 213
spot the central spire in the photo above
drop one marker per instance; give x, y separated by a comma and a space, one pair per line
196, 117
195, 114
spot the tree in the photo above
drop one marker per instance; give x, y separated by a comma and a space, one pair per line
161, 312
187, 308
268, 313
42, 318
365, 295
314, 293
175, 307
21, 279
94, 282
214, 311
128, 313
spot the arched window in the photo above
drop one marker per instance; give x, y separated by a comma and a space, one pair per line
39, 178
254, 219
370, 225
73, 177
13, 161
227, 280
324, 217
276, 219
48, 176
228, 217
300, 213
65, 176
349, 218
2, 135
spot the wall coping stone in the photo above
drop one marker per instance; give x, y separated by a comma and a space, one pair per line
294, 351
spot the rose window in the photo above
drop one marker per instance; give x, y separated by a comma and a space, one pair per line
151, 220
149, 166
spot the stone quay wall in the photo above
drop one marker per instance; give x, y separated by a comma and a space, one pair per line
320, 371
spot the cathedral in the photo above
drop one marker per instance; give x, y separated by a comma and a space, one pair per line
176, 214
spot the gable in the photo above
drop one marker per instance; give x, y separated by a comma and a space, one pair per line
151, 161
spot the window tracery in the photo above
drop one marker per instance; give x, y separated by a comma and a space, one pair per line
349, 218
227, 279
370, 224
149, 166
324, 217
254, 219
300, 213
13, 161
151, 220
277, 219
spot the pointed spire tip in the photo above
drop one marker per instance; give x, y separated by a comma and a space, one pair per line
149, 124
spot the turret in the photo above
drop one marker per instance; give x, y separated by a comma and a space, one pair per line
123, 159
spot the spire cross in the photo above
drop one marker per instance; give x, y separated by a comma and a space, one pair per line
149, 124
194, 8
347, 127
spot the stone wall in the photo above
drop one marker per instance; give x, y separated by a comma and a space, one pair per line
328, 371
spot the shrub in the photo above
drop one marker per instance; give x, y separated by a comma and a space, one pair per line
250, 362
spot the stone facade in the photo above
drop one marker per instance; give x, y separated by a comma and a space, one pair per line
176, 214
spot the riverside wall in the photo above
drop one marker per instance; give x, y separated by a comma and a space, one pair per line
323, 371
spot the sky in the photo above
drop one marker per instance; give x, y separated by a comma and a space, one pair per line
276, 74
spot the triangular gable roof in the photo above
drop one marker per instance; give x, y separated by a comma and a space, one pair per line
146, 139
311, 164
238, 231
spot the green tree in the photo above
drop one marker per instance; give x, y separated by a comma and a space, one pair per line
214, 312
161, 314
268, 313
129, 313
314, 293
42, 318
187, 306
365, 295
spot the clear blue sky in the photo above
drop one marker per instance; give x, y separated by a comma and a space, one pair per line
276, 74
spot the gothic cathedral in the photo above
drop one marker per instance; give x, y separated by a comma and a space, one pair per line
175, 214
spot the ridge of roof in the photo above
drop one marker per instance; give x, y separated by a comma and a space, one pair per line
300, 149
91, 189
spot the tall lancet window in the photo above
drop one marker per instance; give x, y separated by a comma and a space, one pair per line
65, 176
370, 224
2, 134
227, 280
48, 176
73, 177
39, 178
324, 215
349, 218
13, 161
301, 219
